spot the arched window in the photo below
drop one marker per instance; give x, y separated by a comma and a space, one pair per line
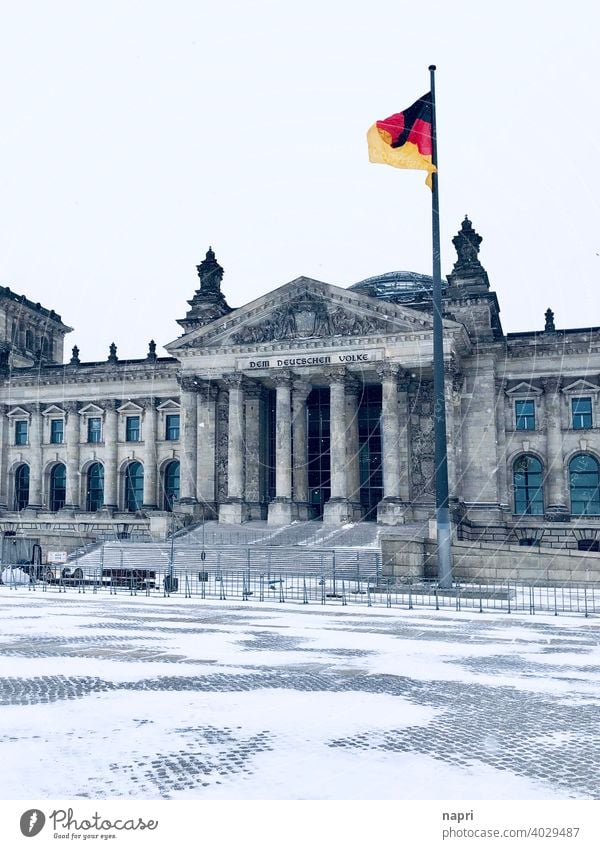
134, 486
22, 487
45, 347
58, 487
171, 484
94, 498
584, 483
527, 481
29, 343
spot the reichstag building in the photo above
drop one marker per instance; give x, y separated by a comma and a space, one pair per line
313, 401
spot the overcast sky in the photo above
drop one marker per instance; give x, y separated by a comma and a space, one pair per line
136, 134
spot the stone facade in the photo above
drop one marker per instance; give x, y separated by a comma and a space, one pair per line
311, 401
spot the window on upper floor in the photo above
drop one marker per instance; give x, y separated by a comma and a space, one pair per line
21, 432
94, 429
525, 415
172, 427
582, 413
132, 429
57, 431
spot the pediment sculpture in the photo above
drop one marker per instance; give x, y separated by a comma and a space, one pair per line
307, 317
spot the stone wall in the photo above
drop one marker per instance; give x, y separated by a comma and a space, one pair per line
488, 563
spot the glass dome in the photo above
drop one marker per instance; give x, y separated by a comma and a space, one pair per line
397, 286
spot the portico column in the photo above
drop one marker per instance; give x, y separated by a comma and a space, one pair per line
353, 390
280, 510
300, 393
72, 493
252, 401
337, 510
403, 433
234, 510
189, 440
150, 455
35, 467
390, 510
207, 419
450, 376
111, 447
556, 494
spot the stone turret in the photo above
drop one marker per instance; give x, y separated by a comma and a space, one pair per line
468, 298
468, 272
208, 303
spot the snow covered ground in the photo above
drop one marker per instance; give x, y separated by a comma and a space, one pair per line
119, 697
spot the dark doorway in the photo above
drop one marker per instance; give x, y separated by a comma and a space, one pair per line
319, 457
369, 446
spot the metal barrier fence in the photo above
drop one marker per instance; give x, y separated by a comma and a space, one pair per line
331, 587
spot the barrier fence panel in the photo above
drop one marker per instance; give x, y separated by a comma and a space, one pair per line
317, 577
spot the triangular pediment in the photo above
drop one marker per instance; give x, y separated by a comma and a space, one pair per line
91, 410
130, 407
169, 406
18, 413
53, 410
305, 309
524, 388
579, 386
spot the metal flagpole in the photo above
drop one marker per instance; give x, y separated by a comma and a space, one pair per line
444, 551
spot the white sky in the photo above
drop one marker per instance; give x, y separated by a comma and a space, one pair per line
135, 134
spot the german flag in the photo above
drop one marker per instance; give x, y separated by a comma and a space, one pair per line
404, 139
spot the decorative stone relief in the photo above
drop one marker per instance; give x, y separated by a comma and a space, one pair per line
422, 440
222, 444
307, 316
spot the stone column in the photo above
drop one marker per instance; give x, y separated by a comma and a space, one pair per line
337, 510
404, 436
73, 488
234, 509
555, 499
189, 440
450, 375
35, 458
150, 456
281, 510
353, 392
390, 511
252, 401
300, 393
207, 461
111, 457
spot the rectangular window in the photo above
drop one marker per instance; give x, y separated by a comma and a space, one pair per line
21, 429
582, 413
94, 429
57, 431
132, 429
525, 415
172, 428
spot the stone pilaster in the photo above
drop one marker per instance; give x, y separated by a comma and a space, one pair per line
404, 437
111, 456
150, 455
556, 500
450, 376
300, 393
338, 509
207, 461
390, 511
281, 509
234, 509
501, 444
3, 458
189, 440
35, 455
